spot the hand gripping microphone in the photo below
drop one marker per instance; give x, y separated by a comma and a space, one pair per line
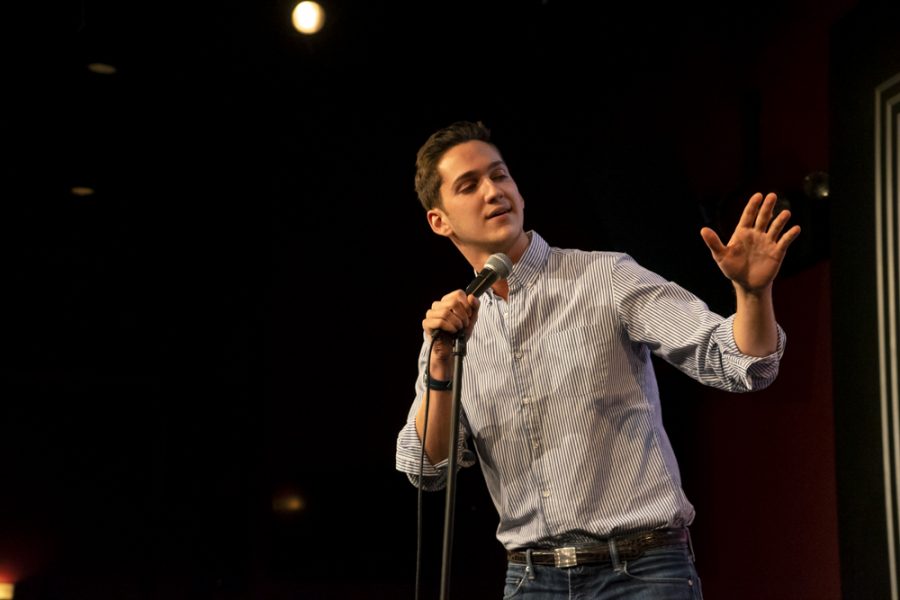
498, 266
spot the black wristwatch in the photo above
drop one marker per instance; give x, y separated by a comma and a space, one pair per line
438, 384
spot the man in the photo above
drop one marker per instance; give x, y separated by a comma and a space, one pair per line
559, 398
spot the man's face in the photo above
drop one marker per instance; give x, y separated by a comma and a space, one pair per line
481, 203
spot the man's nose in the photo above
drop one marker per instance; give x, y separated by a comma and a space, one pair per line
491, 190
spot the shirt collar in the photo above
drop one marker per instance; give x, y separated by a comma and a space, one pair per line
526, 272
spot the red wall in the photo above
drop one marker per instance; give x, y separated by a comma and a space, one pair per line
766, 498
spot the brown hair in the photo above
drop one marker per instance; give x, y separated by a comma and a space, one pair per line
428, 180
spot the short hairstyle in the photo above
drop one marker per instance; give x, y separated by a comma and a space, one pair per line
428, 180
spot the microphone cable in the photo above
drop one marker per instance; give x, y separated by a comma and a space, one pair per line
497, 266
419, 521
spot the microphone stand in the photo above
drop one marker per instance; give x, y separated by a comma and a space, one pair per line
459, 351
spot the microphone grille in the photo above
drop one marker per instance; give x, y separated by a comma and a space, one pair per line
500, 264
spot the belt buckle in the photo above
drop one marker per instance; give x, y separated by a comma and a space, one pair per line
565, 557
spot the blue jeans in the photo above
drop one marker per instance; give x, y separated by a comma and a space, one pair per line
665, 573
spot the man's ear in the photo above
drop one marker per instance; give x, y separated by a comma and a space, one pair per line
439, 223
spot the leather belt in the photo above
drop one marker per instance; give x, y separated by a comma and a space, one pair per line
628, 547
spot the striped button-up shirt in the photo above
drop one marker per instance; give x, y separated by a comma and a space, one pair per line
560, 401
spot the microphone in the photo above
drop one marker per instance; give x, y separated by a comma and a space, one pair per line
497, 266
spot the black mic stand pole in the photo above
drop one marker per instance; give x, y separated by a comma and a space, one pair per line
459, 351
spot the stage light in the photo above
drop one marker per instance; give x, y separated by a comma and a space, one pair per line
101, 68
6, 591
815, 185
288, 502
81, 191
308, 17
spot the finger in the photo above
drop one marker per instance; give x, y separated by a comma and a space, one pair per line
448, 324
431, 328
474, 304
431, 325
452, 313
712, 241
463, 310
764, 216
455, 320
778, 224
748, 217
454, 297
473, 320
443, 318
455, 301
789, 236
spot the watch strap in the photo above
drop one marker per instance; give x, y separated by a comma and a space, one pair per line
438, 384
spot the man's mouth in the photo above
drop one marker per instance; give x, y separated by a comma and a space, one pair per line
498, 213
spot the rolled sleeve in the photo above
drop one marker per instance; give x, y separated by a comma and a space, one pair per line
747, 373
409, 457
420, 470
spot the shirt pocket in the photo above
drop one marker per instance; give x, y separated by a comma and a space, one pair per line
575, 362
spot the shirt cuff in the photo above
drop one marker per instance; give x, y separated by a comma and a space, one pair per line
724, 337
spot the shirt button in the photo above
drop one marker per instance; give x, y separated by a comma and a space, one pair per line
535, 444
505, 313
526, 400
518, 354
545, 493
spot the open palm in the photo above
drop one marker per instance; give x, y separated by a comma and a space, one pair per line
756, 249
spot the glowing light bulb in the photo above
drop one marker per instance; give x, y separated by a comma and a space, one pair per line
308, 17
78, 190
288, 502
101, 68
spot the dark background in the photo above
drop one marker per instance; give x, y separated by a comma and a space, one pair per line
232, 319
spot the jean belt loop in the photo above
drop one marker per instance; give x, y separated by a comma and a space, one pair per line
614, 554
690, 544
529, 568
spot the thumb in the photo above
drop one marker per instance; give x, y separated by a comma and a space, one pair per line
712, 241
